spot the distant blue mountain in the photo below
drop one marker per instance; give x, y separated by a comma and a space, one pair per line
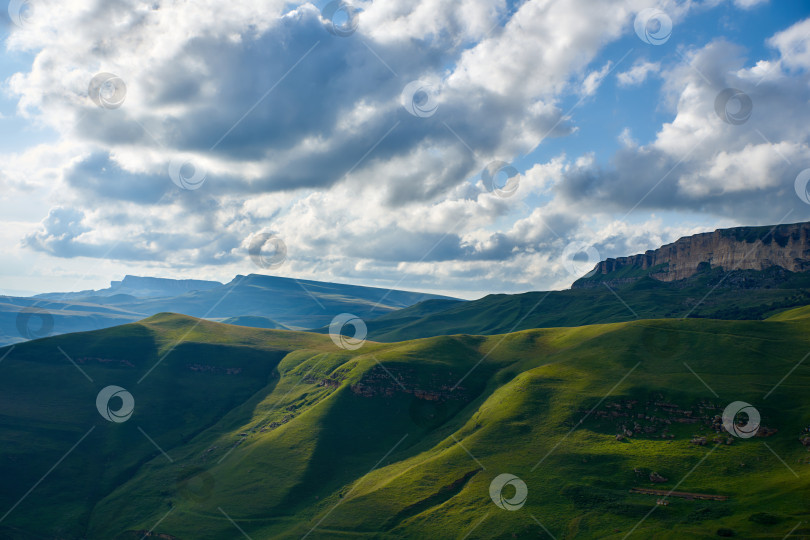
253, 321
248, 300
140, 287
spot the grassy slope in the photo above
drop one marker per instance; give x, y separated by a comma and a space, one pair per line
580, 490
281, 449
647, 298
792, 314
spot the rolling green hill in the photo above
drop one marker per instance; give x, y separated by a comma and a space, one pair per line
282, 434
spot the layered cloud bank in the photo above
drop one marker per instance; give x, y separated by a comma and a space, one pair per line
358, 135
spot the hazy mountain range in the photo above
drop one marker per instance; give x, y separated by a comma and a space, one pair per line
252, 300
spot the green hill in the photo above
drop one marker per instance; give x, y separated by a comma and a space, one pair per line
282, 434
737, 295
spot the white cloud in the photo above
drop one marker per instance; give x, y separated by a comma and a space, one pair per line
594, 79
793, 45
626, 138
748, 4
638, 73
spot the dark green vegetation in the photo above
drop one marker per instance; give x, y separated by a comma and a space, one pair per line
284, 433
737, 295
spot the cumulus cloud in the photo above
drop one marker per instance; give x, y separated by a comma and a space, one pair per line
277, 103
265, 100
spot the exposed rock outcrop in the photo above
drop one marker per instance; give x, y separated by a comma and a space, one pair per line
739, 248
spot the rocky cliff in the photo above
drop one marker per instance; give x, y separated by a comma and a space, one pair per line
739, 248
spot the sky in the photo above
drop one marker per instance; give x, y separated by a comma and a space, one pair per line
463, 147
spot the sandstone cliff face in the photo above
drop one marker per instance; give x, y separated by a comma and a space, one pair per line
739, 248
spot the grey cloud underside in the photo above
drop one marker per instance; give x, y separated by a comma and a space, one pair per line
309, 101
99, 178
635, 180
64, 234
